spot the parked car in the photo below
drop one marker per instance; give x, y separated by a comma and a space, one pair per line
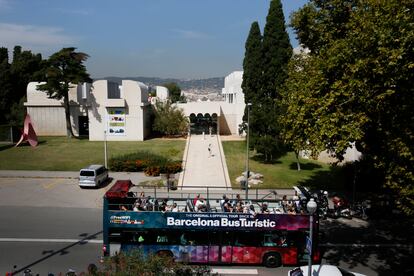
322, 270
93, 176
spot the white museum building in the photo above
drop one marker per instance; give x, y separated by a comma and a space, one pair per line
122, 112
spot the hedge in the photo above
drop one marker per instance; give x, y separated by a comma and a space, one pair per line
146, 161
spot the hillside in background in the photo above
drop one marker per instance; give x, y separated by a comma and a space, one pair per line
194, 86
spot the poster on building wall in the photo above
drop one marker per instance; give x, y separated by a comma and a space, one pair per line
116, 121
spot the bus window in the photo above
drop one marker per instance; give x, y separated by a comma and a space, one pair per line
162, 239
183, 239
247, 239
214, 238
275, 239
194, 238
226, 238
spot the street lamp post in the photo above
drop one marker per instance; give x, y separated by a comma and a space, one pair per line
311, 207
247, 150
105, 150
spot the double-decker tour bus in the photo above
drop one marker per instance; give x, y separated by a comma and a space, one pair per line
205, 229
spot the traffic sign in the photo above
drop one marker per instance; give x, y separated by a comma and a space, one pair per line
308, 244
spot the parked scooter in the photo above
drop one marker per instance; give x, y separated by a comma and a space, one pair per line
320, 197
341, 207
359, 209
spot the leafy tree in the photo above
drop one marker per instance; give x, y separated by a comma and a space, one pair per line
169, 119
175, 92
26, 67
65, 68
356, 85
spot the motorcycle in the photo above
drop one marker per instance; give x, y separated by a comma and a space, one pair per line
320, 197
341, 208
359, 209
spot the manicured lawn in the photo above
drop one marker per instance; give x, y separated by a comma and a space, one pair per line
282, 174
63, 154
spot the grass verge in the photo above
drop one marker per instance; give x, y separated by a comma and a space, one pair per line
63, 154
282, 173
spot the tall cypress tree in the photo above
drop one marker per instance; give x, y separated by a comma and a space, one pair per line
277, 50
252, 75
252, 65
276, 54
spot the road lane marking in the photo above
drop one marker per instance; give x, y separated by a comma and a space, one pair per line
50, 240
52, 184
234, 271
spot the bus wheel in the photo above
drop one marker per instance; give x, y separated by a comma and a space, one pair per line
272, 260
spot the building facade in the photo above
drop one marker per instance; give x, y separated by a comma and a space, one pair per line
116, 112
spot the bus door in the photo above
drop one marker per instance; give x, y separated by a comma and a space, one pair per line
247, 248
220, 247
194, 247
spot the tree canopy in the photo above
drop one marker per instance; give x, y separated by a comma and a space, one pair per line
175, 92
355, 85
14, 78
169, 119
65, 68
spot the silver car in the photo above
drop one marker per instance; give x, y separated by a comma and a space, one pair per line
93, 176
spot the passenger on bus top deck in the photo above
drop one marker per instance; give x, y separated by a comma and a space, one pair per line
200, 205
223, 200
291, 210
239, 207
227, 208
163, 205
136, 206
142, 195
174, 207
238, 199
251, 210
195, 199
264, 208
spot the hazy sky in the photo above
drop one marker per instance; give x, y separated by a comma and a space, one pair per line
154, 38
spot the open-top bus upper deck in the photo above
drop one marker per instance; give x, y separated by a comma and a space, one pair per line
128, 205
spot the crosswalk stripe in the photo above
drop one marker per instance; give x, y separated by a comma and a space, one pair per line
235, 271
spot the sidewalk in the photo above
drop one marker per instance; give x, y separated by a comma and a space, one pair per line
203, 168
136, 177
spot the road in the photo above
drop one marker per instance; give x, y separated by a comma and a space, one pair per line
51, 225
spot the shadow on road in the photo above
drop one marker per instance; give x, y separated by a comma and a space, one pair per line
384, 246
62, 251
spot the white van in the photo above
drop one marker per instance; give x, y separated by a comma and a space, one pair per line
93, 176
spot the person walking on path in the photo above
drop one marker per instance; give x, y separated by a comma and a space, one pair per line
209, 150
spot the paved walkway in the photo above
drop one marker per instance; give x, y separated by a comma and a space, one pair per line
136, 177
200, 167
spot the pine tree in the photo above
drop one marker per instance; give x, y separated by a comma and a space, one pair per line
65, 69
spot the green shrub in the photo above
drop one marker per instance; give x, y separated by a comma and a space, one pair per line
148, 162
